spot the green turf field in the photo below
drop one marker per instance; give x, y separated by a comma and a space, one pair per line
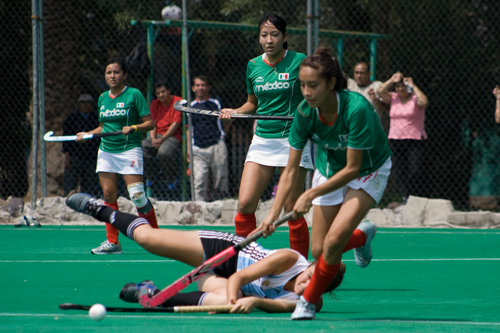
420, 280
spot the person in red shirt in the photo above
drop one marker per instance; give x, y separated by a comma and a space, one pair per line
163, 146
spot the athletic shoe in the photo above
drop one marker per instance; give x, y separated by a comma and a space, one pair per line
304, 310
84, 203
108, 248
130, 291
363, 254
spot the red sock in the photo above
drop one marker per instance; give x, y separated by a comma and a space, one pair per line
244, 224
299, 236
112, 232
151, 217
322, 277
358, 239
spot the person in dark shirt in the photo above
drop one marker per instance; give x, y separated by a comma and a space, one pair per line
209, 150
80, 158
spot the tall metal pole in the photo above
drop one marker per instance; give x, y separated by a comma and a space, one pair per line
34, 144
41, 96
316, 24
312, 45
312, 19
309, 21
187, 86
373, 56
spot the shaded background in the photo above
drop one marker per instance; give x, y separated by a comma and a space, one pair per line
448, 47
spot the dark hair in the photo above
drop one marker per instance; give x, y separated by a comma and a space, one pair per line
118, 61
363, 63
327, 66
336, 281
202, 78
162, 84
277, 21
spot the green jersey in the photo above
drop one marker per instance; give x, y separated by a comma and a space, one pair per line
126, 109
357, 127
277, 90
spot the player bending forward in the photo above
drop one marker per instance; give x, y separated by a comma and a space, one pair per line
269, 280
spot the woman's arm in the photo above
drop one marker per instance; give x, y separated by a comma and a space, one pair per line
275, 263
250, 106
147, 125
422, 100
287, 180
247, 304
383, 90
341, 178
496, 92
79, 136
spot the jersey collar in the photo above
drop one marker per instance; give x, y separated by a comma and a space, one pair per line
273, 65
121, 92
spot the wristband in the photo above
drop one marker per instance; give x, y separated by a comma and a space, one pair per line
134, 127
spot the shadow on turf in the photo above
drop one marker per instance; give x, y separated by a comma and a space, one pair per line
403, 290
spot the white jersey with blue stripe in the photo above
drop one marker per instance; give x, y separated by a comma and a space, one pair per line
269, 286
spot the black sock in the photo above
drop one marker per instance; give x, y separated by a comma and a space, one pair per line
124, 222
192, 298
104, 214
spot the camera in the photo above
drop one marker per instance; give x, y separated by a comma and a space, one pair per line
409, 88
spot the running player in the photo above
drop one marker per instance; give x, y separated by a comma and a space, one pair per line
256, 278
352, 166
273, 89
121, 108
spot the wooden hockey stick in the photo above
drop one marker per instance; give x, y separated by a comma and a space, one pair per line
179, 309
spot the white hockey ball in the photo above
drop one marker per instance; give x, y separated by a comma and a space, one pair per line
97, 312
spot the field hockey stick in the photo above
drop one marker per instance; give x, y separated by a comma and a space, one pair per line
48, 136
179, 309
180, 107
151, 302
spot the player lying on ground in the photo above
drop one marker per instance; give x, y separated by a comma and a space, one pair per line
269, 280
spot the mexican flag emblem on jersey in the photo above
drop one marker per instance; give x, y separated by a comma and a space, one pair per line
283, 76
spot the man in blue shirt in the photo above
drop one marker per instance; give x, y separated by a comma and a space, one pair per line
209, 149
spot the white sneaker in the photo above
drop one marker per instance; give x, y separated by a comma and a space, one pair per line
304, 310
108, 248
363, 254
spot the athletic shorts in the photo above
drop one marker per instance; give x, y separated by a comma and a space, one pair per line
213, 243
129, 162
374, 184
275, 152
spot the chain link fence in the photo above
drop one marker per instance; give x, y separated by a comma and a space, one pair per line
449, 48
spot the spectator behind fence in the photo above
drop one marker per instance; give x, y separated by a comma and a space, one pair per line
368, 88
209, 149
496, 92
407, 134
80, 158
163, 147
